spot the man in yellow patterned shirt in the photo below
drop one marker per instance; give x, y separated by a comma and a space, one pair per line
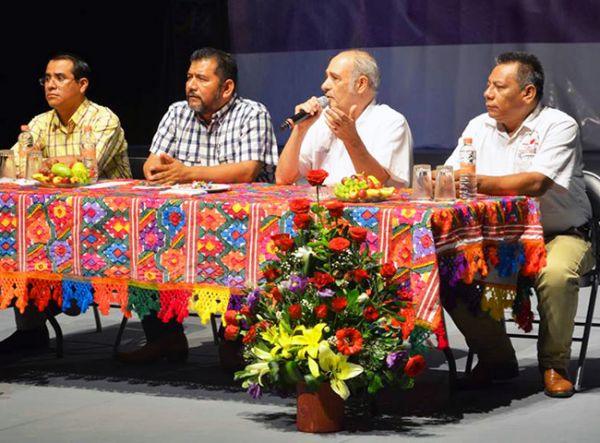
58, 132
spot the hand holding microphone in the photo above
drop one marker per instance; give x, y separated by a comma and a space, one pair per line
311, 107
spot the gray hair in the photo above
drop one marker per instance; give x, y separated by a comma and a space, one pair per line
365, 64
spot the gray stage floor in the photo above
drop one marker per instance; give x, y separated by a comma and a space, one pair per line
88, 397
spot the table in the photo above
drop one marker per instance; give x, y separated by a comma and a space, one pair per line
146, 250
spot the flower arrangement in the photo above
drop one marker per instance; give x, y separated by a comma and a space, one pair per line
327, 311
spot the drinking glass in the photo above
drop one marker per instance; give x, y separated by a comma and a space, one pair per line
34, 163
7, 164
444, 183
421, 181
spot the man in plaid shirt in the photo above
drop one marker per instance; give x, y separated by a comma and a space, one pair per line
215, 135
57, 133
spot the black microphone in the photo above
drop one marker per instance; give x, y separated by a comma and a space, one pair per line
301, 115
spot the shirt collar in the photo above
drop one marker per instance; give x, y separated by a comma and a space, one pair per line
527, 123
75, 119
217, 116
367, 111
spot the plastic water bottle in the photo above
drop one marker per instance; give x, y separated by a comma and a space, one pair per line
25, 142
468, 175
88, 153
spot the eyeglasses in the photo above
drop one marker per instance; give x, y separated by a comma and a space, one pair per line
58, 80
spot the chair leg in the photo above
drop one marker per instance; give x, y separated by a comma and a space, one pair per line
119, 335
97, 318
452, 374
586, 335
215, 330
469, 363
57, 332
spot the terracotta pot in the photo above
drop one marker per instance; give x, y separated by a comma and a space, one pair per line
230, 355
319, 411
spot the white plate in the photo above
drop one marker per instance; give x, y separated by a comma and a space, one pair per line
217, 187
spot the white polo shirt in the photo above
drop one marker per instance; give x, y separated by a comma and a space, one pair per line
547, 142
384, 132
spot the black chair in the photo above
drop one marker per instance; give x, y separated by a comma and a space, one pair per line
589, 280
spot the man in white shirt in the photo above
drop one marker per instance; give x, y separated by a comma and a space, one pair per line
353, 134
526, 148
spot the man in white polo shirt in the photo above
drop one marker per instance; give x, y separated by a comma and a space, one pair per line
353, 134
526, 148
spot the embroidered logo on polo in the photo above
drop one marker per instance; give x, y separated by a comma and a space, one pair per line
527, 149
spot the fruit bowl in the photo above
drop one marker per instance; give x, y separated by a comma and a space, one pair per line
69, 173
362, 188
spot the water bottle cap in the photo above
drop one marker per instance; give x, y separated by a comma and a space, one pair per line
467, 140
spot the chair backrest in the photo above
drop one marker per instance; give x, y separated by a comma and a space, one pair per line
592, 188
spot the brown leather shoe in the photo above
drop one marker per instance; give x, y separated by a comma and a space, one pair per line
557, 383
483, 375
173, 347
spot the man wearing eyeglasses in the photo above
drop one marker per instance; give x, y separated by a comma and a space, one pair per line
58, 134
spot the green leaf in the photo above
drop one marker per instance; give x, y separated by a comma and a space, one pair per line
292, 373
375, 385
274, 370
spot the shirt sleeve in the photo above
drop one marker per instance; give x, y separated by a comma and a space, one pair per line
38, 127
164, 138
110, 139
556, 157
394, 152
469, 131
258, 140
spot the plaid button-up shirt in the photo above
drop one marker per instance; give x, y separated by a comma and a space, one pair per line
239, 131
57, 139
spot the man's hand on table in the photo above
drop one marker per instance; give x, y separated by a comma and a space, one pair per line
169, 171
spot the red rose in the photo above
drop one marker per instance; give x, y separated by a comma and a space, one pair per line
276, 294
295, 311
299, 205
231, 317
359, 275
283, 241
302, 221
349, 341
388, 270
231, 332
404, 294
250, 335
339, 303
321, 279
335, 208
358, 233
271, 274
321, 311
339, 244
245, 310
415, 365
370, 313
316, 177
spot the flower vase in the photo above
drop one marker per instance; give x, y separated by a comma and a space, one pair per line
319, 411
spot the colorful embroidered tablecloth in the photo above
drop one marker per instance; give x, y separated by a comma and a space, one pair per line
150, 251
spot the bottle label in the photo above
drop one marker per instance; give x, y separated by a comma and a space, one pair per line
467, 168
